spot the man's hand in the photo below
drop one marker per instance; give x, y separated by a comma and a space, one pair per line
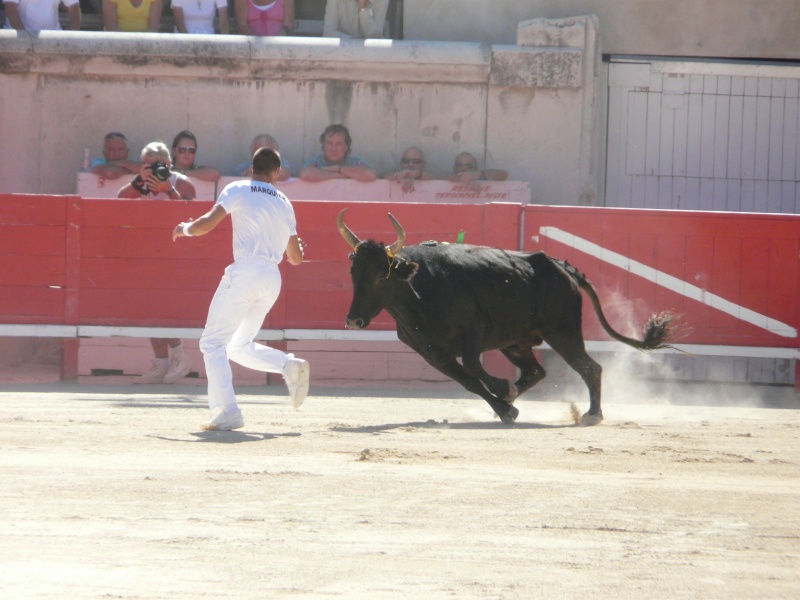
178, 231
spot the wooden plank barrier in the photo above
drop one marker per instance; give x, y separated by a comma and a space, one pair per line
74, 267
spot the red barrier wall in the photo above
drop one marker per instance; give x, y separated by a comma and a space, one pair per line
734, 276
66, 260
33, 254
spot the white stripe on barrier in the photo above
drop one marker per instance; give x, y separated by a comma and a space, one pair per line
344, 335
669, 282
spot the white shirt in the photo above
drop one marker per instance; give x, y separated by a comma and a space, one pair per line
198, 15
263, 219
39, 15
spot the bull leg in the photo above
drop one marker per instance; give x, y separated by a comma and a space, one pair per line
450, 367
571, 348
471, 358
531, 370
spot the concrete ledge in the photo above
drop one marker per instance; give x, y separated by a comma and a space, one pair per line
241, 57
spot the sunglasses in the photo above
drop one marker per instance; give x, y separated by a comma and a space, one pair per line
411, 161
471, 166
185, 149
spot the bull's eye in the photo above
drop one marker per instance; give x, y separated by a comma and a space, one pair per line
351, 256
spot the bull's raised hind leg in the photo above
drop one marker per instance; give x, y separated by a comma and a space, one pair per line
572, 350
531, 370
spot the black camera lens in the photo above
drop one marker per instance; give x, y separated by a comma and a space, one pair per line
160, 170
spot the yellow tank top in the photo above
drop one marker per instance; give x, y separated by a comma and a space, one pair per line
131, 18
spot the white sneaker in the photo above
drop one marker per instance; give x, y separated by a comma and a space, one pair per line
223, 422
155, 374
296, 373
179, 366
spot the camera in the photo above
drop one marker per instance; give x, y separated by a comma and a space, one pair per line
160, 170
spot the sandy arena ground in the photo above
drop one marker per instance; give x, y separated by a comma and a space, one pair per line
114, 492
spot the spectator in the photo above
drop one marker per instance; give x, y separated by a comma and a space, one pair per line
465, 170
170, 363
264, 17
40, 15
114, 163
264, 230
355, 18
197, 16
122, 15
148, 185
262, 140
184, 150
336, 162
412, 168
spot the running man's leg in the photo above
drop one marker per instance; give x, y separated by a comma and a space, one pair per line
225, 314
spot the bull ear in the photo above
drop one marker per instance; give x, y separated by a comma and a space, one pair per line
405, 271
349, 237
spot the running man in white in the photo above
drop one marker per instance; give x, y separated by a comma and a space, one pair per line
264, 227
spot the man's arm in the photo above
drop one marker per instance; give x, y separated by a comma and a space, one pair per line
12, 14
128, 191
202, 225
330, 23
74, 13
495, 174
110, 22
116, 169
312, 173
295, 250
359, 173
371, 20
154, 18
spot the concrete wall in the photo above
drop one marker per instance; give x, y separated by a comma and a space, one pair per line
762, 29
523, 108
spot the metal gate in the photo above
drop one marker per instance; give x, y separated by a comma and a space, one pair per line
703, 136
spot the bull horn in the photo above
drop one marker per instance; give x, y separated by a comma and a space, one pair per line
348, 235
401, 236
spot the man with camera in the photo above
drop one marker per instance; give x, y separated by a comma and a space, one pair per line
157, 181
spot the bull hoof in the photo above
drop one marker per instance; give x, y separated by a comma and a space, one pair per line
510, 416
587, 420
513, 392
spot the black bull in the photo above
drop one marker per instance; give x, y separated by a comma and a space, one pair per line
458, 300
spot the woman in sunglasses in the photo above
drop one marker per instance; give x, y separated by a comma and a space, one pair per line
184, 150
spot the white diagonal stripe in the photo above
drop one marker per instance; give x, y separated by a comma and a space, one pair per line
669, 282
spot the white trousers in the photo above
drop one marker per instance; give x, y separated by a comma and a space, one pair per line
245, 294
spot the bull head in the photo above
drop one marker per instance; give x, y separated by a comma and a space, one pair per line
353, 241
375, 270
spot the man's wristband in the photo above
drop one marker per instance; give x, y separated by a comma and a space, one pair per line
186, 229
174, 190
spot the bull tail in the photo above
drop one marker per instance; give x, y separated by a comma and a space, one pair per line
661, 329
